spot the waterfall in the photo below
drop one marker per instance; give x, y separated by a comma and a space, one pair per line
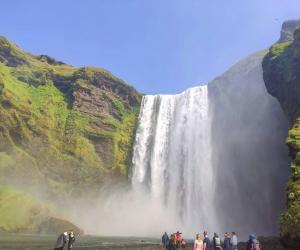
212, 157
172, 156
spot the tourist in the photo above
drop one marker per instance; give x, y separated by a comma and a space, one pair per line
165, 240
227, 241
183, 243
71, 240
206, 241
233, 241
198, 243
172, 243
253, 243
178, 239
61, 241
217, 242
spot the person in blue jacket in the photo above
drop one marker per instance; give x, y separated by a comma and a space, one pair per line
165, 240
226, 241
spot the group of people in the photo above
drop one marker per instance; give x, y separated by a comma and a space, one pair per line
175, 241
65, 239
230, 242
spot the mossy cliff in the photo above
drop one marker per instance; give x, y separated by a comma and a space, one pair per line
282, 78
62, 129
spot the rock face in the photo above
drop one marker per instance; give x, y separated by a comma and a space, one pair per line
282, 78
248, 133
287, 30
62, 129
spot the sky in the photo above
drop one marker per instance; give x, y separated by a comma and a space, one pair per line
158, 46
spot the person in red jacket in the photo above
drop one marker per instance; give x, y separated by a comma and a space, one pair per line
178, 239
178, 236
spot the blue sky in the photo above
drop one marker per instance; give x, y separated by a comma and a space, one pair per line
158, 46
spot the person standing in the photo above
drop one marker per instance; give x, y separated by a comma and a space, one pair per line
234, 241
165, 240
227, 241
178, 239
172, 243
206, 241
217, 242
61, 241
198, 243
253, 243
71, 240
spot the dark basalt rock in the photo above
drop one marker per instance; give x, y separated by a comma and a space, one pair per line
48, 59
287, 30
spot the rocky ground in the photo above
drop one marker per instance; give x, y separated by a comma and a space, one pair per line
31, 242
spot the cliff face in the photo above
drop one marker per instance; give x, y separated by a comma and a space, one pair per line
282, 78
248, 134
62, 129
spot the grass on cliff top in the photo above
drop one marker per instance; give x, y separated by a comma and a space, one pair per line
279, 48
34, 69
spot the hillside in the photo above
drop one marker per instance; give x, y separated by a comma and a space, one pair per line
282, 78
63, 130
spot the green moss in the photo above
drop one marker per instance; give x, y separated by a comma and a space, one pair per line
124, 136
62, 129
18, 210
281, 74
6, 160
117, 104
279, 48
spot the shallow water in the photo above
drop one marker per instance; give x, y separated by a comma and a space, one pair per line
46, 242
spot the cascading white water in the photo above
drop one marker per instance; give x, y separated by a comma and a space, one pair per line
172, 156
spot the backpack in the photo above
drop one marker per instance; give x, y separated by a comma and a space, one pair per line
217, 241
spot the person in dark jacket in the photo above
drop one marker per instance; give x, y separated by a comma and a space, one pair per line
206, 241
71, 240
226, 241
172, 243
61, 241
165, 240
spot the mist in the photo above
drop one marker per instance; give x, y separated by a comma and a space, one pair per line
220, 165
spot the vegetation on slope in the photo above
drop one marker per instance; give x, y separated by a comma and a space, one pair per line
62, 129
282, 77
20, 212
